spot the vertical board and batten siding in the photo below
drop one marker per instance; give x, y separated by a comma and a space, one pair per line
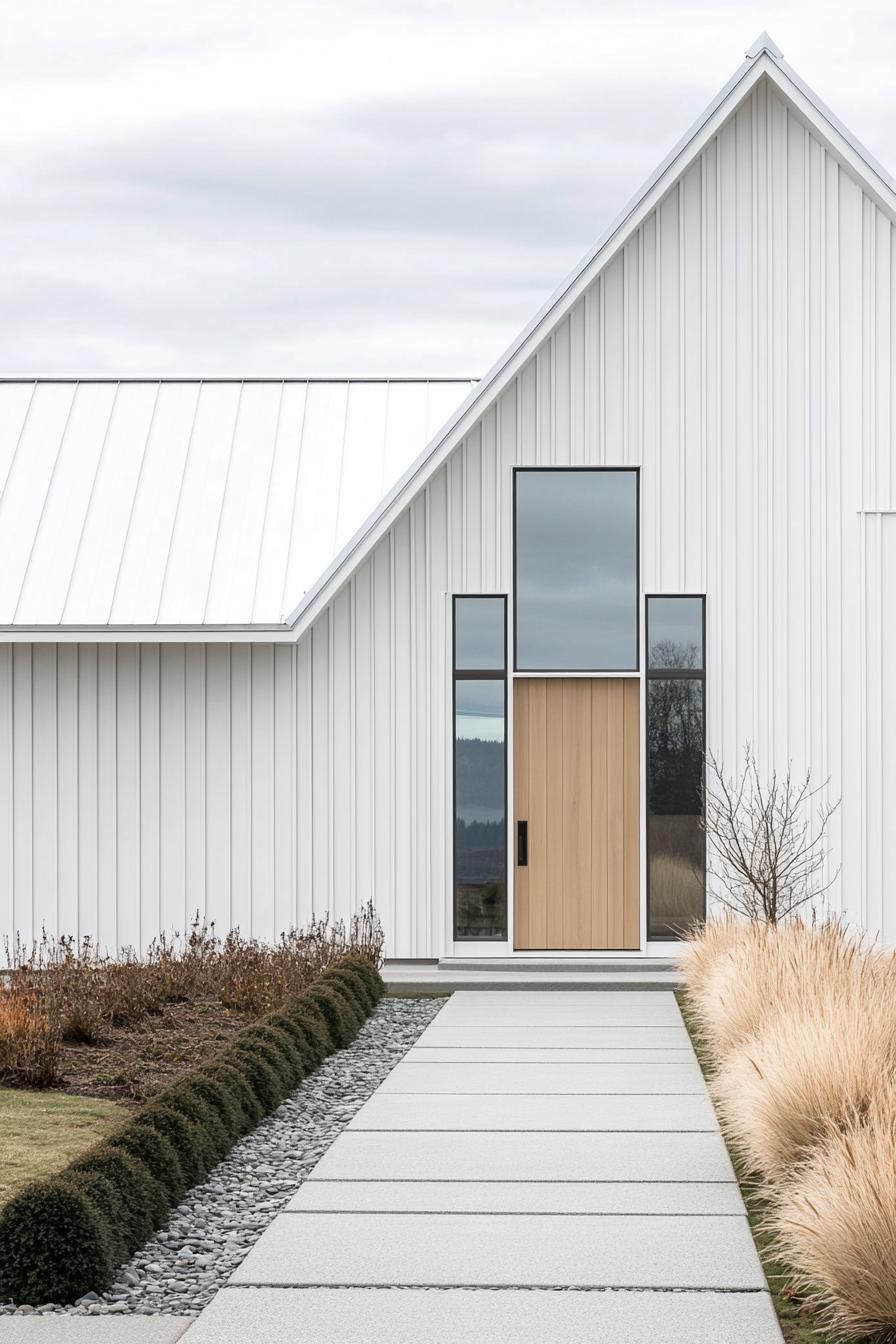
740, 350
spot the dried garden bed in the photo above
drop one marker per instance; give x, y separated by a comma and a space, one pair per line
130, 1063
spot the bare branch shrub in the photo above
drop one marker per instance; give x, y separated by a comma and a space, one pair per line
767, 839
64, 989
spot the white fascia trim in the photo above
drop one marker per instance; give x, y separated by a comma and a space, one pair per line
147, 634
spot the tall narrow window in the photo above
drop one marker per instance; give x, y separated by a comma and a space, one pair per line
676, 846
480, 768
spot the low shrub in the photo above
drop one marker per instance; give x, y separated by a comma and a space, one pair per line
55, 1244
307, 1048
261, 1077
227, 1107
156, 1152
239, 1089
273, 1038
184, 1098
353, 986
309, 1016
109, 1203
368, 972
144, 1198
834, 1222
185, 1136
63, 1237
271, 1056
341, 1017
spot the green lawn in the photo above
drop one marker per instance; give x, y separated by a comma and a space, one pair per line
797, 1325
41, 1131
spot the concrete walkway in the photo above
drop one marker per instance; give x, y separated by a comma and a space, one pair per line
531, 1141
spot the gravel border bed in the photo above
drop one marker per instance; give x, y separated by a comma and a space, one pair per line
206, 1237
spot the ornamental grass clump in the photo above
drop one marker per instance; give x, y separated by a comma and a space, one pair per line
771, 969
834, 1223
816, 1062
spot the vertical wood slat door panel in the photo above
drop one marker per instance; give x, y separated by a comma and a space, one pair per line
537, 735
576, 768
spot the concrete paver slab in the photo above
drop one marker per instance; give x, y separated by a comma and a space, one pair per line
496, 1156
430, 1316
602, 1156
623, 1077
597, 1197
558, 1037
552, 1010
117, 1329
515, 1055
502, 1250
518, 1111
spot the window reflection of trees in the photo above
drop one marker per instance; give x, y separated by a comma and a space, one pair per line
675, 747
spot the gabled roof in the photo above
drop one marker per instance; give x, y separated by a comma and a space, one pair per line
763, 60
199, 503
166, 535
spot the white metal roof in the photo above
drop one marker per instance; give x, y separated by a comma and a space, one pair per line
193, 502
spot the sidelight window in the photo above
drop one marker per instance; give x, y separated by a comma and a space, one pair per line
676, 844
480, 768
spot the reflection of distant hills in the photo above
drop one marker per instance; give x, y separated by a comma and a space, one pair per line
480, 776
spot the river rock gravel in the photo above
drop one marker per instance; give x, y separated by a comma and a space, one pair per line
206, 1237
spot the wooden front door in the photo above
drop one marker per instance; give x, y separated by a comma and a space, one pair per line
576, 764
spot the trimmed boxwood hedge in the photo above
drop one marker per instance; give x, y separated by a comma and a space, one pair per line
54, 1242
342, 1018
65, 1236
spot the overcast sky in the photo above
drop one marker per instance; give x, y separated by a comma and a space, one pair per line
280, 187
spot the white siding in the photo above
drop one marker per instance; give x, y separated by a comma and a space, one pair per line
739, 350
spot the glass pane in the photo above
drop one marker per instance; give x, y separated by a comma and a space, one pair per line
480, 853
577, 570
675, 843
675, 632
479, 634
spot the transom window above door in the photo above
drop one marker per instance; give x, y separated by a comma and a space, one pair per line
576, 570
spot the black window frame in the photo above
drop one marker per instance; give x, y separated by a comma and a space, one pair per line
476, 674
577, 671
670, 674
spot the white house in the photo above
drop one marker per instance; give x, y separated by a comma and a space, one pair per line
275, 647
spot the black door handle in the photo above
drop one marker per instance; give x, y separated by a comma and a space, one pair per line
522, 844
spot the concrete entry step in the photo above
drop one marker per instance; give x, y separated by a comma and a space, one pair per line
549, 973
630, 965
